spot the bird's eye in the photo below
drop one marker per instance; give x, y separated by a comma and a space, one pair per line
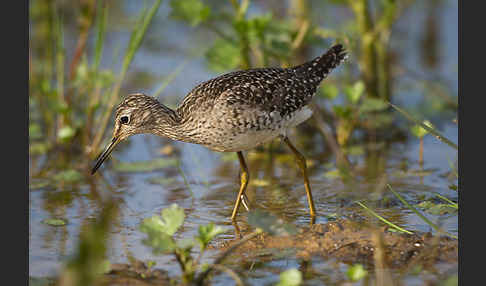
124, 119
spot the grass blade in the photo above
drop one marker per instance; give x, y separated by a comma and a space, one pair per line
452, 204
426, 220
170, 78
135, 41
431, 130
383, 219
102, 15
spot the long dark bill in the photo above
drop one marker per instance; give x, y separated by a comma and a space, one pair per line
102, 157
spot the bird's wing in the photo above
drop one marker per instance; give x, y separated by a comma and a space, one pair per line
266, 89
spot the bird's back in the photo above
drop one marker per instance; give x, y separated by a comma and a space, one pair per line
281, 89
260, 100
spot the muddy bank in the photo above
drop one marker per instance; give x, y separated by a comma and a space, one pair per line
137, 274
354, 242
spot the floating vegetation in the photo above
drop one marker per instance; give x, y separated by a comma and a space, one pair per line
145, 166
55, 222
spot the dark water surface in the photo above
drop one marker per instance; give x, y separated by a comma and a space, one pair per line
213, 177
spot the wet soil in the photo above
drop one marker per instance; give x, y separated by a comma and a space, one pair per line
136, 274
343, 240
354, 242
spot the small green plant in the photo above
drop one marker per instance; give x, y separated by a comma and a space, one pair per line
430, 129
437, 208
89, 260
355, 111
160, 232
290, 277
356, 272
419, 132
72, 109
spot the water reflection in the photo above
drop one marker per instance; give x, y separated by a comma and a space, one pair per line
206, 183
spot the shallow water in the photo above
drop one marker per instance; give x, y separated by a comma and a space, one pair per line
213, 177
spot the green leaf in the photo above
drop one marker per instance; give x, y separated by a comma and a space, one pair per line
35, 131
290, 277
270, 223
441, 209
66, 133
343, 111
68, 176
82, 72
193, 12
331, 216
185, 243
330, 91
145, 166
223, 56
159, 242
160, 229
38, 183
418, 131
54, 222
372, 104
354, 92
161, 180
151, 264
437, 208
206, 233
172, 218
38, 148
333, 174
431, 130
259, 183
104, 267
258, 25
356, 272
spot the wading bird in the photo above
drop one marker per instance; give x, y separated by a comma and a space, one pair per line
233, 112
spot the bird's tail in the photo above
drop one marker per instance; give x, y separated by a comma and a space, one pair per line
321, 66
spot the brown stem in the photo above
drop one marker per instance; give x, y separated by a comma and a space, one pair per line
368, 58
324, 128
203, 275
86, 22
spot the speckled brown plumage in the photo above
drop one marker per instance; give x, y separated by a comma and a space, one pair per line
233, 112
238, 110
268, 89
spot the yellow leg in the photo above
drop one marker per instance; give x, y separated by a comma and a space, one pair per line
303, 167
245, 177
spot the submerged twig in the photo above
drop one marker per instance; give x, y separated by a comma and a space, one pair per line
324, 128
230, 272
203, 275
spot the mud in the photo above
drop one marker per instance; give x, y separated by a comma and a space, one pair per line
342, 240
354, 242
136, 274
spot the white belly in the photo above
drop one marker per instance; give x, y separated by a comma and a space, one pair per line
252, 138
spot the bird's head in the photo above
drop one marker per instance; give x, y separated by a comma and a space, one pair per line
137, 113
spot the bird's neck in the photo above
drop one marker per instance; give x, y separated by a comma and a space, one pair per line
169, 123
